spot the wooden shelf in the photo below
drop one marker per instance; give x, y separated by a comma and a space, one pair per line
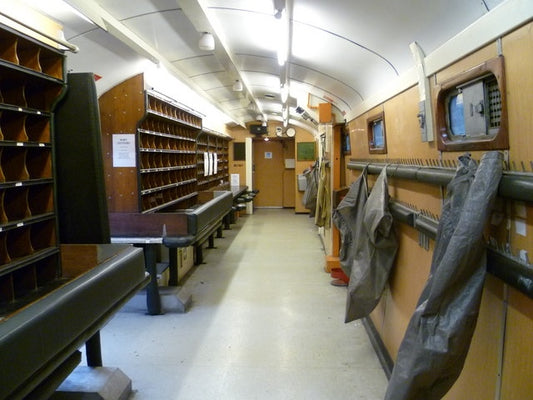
31, 81
164, 134
169, 143
216, 145
28, 53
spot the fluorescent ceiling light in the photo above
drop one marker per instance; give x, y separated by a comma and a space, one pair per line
279, 6
283, 40
284, 92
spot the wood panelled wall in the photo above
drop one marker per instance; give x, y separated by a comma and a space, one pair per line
503, 340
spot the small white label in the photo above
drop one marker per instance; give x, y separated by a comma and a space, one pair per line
235, 179
20, 224
520, 227
20, 144
18, 184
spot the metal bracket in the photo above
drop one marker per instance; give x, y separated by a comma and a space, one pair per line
425, 114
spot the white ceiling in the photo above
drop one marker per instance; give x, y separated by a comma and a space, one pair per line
342, 51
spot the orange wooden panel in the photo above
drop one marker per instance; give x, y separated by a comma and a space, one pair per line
324, 113
478, 379
518, 66
268, 175
120, 110
420, 195
289, 183
407, 280
403, 132
517, 373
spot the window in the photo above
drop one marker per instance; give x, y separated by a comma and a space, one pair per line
346, 145
455, 113
471, 112
239, 151
377, 142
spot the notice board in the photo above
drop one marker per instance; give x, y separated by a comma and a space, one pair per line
305, 151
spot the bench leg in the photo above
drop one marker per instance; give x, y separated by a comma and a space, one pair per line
153, 301
173, 266
199, 252
93, 351
227, 222
211, 241
219, 232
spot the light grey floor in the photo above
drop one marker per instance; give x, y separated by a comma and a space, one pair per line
265, 323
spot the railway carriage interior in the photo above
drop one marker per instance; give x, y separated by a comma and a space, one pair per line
268, 199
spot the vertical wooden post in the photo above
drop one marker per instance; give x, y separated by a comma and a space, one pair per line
332, 260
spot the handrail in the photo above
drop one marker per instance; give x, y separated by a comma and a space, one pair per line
513, 185
501, 264
64, 43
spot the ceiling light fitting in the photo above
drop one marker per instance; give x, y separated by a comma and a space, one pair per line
282, 31
206, 42
284, 93
279, 6
237, 86
283, 47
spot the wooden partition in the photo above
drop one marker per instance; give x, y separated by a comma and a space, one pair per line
499, 364
149, 149
157, 157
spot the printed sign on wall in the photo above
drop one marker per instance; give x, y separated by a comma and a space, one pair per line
124, 150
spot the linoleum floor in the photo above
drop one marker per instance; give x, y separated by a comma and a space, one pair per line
264, 323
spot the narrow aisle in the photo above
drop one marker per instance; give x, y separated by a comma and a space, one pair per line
264, 324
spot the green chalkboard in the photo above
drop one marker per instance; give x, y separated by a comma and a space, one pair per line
305, 151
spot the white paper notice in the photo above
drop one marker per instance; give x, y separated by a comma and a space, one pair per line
290, 163
124, 150
210, 157
521, 227
206, 164
235, 180
215, 163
